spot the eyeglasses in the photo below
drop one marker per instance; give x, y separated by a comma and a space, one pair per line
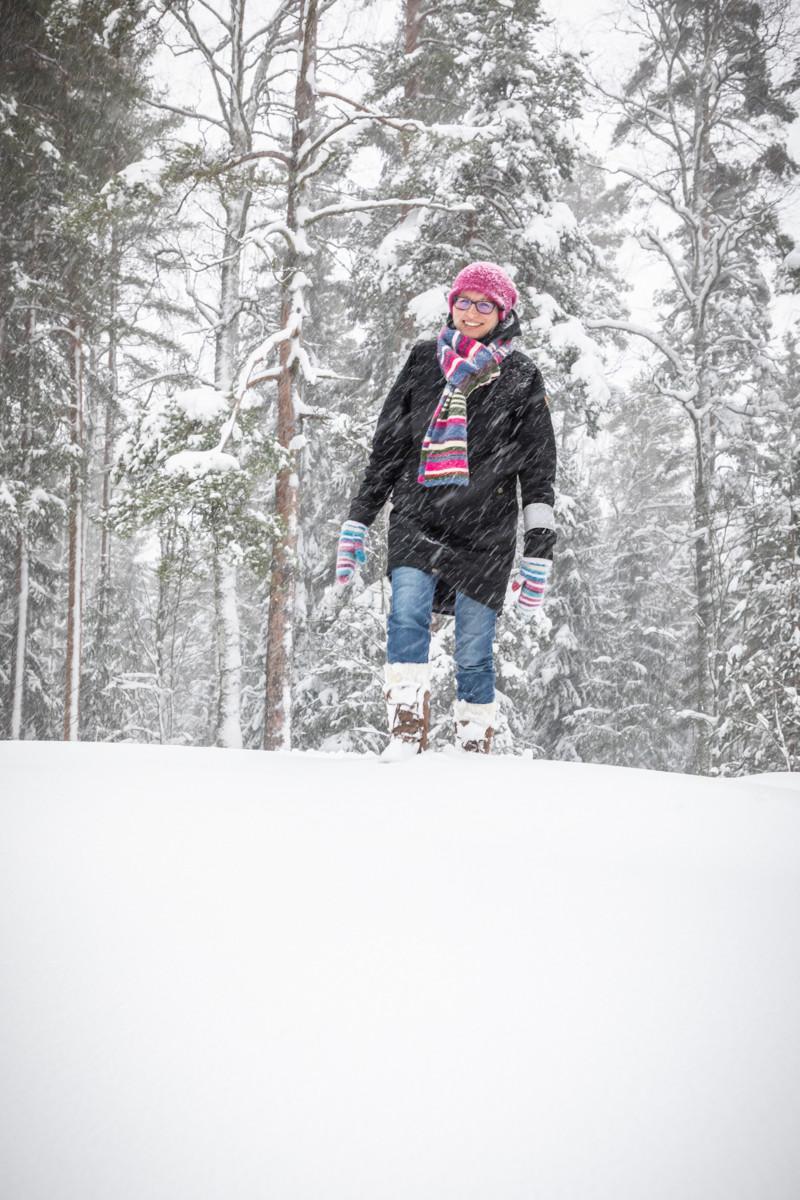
483, 306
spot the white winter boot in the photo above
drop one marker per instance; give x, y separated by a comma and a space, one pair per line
474, 726
407, 691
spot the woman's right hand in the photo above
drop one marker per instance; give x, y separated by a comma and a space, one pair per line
531, 584
351, 552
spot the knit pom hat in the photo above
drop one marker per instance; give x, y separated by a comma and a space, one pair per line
488, 278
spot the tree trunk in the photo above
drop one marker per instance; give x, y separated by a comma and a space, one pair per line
411, 29
280, 625
23, 560
236, 202
75, 542
228, 727
21, 639
229, 658
104, 575
703, 575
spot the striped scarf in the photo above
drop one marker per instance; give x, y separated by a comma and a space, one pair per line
466, 364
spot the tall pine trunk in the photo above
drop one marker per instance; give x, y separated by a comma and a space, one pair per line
705, 625
280, 624
236, 201
411, 28
109, 423
21, 638
75, 534
23, 558
704, 566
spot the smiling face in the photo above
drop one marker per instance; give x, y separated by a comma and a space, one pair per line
471, 322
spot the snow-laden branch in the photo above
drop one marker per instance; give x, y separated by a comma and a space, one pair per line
252, 156
226, 25
684, 396
460, 132
663, 194
276, 227
187, 112
165, 377
647, 108
210, 314
360, 205
46, 330
465, 132
664, 249
181, 14
245, 380
638, 331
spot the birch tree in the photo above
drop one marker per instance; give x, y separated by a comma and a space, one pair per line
237, 47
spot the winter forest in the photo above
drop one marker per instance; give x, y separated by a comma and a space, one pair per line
225, 223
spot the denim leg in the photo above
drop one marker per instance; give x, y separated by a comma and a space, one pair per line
409, 624
475, 626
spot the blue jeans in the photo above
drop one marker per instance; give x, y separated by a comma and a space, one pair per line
409, 632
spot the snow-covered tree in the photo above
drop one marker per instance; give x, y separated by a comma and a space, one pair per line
75, 78
641, 655
760, 702
707, 108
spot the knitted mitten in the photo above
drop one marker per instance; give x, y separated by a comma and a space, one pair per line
351, 552
531, 583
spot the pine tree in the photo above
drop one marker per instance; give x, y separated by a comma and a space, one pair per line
760, 727
75, 76
707, 100
556, 683
640, 662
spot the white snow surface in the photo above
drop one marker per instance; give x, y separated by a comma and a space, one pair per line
232, 974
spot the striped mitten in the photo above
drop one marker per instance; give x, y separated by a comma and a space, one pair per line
351, 552
531, 583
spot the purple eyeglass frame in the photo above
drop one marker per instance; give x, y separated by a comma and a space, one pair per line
464, 305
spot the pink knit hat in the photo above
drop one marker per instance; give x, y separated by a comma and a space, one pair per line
488, 278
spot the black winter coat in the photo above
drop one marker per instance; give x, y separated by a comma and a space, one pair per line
465, 535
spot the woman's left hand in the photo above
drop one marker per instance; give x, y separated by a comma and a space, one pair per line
531, 584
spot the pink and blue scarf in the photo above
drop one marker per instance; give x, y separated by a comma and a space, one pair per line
466, 364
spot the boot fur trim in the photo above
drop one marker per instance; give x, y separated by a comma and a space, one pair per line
408, 697
480, 714
418, 673
473, 726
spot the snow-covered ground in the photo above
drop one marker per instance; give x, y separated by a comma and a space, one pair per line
308, 977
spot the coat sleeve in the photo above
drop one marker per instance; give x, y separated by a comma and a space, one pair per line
391, 445
537, 471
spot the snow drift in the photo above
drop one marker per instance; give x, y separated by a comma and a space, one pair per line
302, 976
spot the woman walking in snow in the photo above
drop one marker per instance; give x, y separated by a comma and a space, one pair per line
466, 417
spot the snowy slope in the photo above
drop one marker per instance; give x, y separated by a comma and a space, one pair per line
310, 977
